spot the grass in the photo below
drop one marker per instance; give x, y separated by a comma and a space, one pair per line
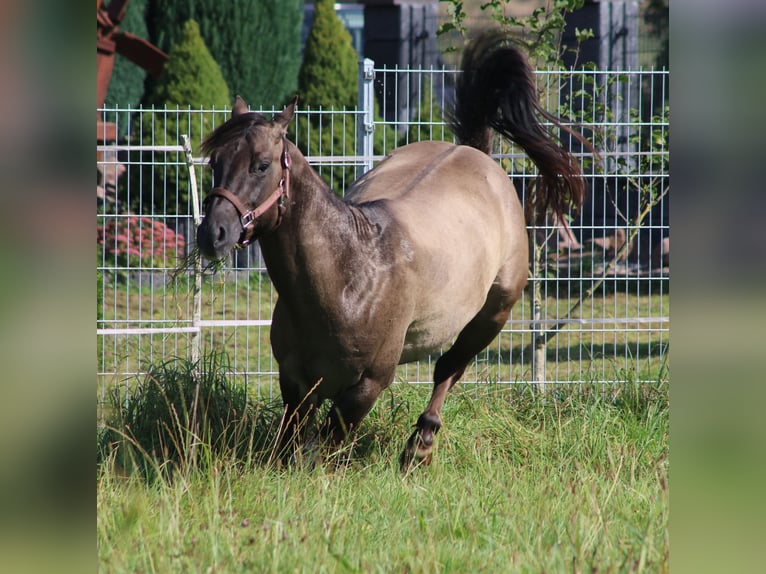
574, 480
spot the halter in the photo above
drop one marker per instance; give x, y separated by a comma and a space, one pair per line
248, 217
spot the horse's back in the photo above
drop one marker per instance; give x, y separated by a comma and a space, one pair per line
457, 214
413, 172
444, 196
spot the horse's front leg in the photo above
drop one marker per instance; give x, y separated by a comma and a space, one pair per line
293, 438
353, 404
300, 405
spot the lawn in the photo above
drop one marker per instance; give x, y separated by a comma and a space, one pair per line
571, 480
575, 480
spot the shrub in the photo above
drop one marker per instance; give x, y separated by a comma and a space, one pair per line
126, 86
256, 44
191, 80
191, 77
328, 74
427, 122
138, 242
328, 79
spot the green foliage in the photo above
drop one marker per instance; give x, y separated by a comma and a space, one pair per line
328, 80
126, 86
335, 134
191, 80
539, 33
179, 416
191, 77
328, 74
651, 135
428, 121
256, 44
328, 134
655, 139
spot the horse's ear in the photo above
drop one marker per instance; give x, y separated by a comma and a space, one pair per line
239, 107
285, 116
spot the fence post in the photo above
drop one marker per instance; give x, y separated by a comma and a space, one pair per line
538, 346
538, 335
196, 336
366, 123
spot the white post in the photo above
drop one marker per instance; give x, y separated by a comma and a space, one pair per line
196, 338
538, 347
538, 333
366, 123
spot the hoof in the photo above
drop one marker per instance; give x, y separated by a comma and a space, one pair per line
309, 455
417, 452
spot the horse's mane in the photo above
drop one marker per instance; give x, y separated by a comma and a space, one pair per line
233, 130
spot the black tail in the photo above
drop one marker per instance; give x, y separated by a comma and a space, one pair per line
497, 91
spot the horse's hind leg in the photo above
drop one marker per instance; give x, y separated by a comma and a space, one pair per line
474, 337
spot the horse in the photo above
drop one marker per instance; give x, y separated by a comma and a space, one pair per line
428, 249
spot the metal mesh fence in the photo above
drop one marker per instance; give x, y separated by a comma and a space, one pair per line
598, 302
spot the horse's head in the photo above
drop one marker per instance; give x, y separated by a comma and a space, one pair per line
250, 164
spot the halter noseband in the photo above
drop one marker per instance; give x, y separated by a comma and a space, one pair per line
248, 217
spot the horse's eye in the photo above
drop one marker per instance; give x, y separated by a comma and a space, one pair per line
259, 167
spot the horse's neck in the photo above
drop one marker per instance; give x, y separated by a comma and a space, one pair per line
305, 249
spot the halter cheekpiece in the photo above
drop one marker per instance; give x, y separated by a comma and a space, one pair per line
248, 217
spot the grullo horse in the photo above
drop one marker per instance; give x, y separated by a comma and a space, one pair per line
428, 249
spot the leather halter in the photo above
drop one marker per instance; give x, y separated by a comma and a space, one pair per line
248, 217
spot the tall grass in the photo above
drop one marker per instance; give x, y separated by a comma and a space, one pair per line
571, 481
184, 415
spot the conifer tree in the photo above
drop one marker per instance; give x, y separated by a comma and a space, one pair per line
327, 81
427, 122
190, 81
328, 74
126, 85
257, 44
191, 76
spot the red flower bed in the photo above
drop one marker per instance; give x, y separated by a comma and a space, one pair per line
140, 242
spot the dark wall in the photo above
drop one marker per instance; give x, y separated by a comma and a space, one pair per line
615, 24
